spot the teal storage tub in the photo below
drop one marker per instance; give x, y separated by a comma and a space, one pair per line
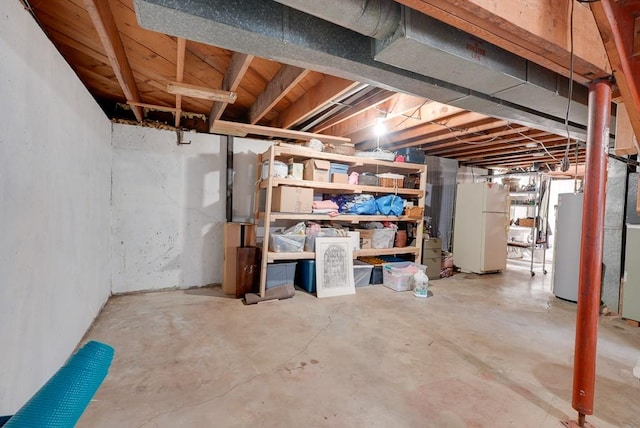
306, 275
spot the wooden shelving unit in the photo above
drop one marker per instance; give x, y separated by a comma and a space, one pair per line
284, 152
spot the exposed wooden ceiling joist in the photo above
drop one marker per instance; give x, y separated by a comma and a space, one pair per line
322, 94
429, 112
194, 91
105, 25
396, 105
619, 26
238, 66
316, 101
534, 29
181, 46
244, 129
287, 77
430, 128
375, 97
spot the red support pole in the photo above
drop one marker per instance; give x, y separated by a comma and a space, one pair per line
584, 366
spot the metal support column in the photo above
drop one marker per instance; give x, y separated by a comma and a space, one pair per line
229, 177
584, 366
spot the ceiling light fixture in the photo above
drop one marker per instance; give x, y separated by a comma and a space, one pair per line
531, 145
380, 129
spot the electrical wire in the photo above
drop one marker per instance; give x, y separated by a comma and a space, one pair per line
412, 113
453, 130
564, 164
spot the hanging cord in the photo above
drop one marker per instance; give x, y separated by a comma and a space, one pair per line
575, 175
565, 163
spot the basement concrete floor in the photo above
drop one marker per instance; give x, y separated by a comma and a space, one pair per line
482, 351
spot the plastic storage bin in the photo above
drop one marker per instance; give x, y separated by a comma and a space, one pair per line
286, 243
306, 275
377, 262
361, 273
280, 274
383, 238
399, 276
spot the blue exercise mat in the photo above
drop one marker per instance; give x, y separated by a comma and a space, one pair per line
63, 399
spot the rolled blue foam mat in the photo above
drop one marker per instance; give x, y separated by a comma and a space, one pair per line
63, 399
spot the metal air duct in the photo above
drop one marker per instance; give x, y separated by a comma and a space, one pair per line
374, 18
271, 30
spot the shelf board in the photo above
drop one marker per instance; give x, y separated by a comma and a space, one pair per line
340, 187
386, 251
301, 255
515, 227
347, 218
272, 257
303, 153
523, 193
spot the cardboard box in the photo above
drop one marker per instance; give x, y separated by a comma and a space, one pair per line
365, 243
355, 240
317, 170
339, 178
288, 199
234, 235
296, 170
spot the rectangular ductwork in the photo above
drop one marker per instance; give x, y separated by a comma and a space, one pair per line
432, 48
424, 57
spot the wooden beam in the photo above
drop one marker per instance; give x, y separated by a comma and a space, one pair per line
153, 107
287, 77
624, 144
393, 107
201, 92
326, 90
437, 126
181, 46
375, 97
236, 70
105, 25
537, 30
451, 130
244, 129
431, 111
617, 26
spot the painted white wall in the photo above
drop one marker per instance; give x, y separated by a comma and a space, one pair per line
245, 174
168, 209
55, 167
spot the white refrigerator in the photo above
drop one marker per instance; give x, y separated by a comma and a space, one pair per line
481, 227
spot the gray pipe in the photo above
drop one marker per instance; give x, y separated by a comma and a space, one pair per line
373, 18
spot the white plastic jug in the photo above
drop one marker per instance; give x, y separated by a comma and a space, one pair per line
420, 284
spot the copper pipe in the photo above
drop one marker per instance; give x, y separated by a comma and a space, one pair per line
584, 366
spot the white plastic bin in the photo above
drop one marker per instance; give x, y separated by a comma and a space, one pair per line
361, 273
286, 243
399, 276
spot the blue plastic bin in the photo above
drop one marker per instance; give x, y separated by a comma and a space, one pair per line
306, 275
